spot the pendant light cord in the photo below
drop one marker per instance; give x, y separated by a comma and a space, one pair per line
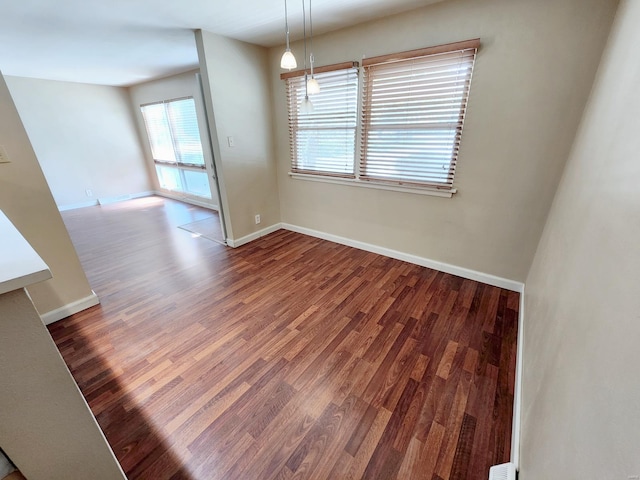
311, 59
286, 22
304, 32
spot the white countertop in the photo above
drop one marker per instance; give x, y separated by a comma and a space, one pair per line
20, 265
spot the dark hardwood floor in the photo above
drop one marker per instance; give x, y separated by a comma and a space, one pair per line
287, 358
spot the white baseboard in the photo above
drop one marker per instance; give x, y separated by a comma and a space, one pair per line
70, 308
123, 198
105, 200
424, 262
253, 236
185, 199
73, 206
517, 394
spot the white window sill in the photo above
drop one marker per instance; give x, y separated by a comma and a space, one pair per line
380, 186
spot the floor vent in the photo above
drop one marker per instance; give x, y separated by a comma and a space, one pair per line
506, 471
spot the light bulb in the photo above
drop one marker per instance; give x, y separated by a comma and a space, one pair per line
306, 106
313, 86
288, 61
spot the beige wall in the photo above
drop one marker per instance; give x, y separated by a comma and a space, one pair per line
582, 312
84, 137
176, 86
532, 77
237, 90
46, 426
27, 201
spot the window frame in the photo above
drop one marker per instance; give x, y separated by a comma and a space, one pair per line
173, 143
179, 166
406, 187
345, 67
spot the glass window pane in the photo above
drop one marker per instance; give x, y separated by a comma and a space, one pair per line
326, 150
169, 178
197, 183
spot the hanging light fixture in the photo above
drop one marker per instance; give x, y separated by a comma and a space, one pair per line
312, 84
306, 106
288, 61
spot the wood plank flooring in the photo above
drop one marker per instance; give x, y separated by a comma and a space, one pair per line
288, 358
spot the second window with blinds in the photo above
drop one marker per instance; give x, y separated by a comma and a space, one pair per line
413, 106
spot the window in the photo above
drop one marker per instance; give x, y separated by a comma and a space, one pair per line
323, 141
174, 137
413, 111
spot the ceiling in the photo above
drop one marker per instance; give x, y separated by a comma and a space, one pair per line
123, 42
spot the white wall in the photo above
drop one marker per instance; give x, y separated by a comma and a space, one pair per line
533, 74
237, 92
176, 86
84, 137
46, 426
582, 311
27, 201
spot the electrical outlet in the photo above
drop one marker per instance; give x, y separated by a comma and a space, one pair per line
89, 192
257, 219
4, 158
230, 141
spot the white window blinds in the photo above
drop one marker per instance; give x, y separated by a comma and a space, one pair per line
185, 132
413, 109
172, 128
323, 141
158, 131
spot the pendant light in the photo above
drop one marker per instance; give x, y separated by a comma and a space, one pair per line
288, 61
312, 84
306, 106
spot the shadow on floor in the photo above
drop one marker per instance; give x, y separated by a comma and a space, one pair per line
140, 448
